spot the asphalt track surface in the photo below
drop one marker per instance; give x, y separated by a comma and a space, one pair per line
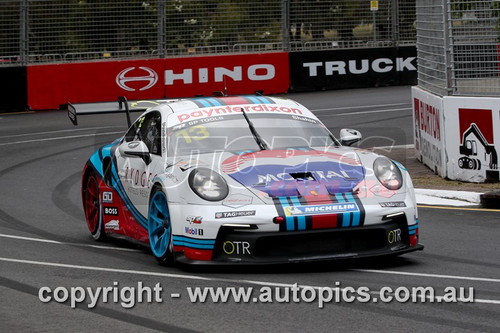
44, 242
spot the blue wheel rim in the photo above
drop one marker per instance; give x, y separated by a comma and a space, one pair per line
159, 227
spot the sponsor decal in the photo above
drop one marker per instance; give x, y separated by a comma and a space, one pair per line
148, 77
236, 247
237, 201
428, 112
394, 236
255, 72
322, 216
112, 225
280, 180
242, 74
477, 147
223, 215
171, 177
214, 111
137, 177
427, 117
193, 231
380, 65
333, 208
194, 219
392, 204
107, 197
306, 119
111, 211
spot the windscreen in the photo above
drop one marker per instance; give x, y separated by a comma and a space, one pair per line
232, 133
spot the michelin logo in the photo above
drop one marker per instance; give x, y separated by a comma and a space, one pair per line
322, 209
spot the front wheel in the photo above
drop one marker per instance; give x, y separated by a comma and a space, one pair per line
160, 228
93, 208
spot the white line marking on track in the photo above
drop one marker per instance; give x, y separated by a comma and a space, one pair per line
41, 240
362, 106
59, 131
439, 276
60, 138
396, 147
188, 277
366, 112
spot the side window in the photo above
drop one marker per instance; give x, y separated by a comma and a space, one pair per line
152, 133
148, 130
133, 132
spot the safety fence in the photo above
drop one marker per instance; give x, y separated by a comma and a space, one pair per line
47, 86
59, 31
458, 47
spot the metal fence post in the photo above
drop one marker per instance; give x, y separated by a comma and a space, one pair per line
23, 32
161, 28
285, 24
447, 45
395, 21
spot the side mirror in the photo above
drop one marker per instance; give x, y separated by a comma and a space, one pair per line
349, 136
135, 149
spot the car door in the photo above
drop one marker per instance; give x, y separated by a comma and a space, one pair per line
139, 159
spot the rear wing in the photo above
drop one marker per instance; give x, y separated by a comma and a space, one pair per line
122, 105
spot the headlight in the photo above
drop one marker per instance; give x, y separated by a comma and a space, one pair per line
388, 173
208, 184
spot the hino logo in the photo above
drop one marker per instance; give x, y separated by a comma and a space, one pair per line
150, 79
380, 65
257, 72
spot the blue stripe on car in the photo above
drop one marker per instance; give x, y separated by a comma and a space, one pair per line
214, 102
412, 229
346, 217
301, 220
355, 215
290, 225
263, 100
206, 244
253, 99
203, 102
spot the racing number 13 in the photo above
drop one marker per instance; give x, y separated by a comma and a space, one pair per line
198, 132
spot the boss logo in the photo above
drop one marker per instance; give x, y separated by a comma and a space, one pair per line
111, 211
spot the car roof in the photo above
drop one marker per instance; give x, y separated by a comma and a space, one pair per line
186, 109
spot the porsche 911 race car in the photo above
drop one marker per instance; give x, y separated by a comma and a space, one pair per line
247, 180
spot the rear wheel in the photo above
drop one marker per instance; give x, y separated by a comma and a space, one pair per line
93, 208
160, 228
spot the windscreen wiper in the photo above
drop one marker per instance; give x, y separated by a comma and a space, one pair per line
256, 136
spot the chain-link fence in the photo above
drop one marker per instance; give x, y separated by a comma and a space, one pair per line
458, 46
75, 30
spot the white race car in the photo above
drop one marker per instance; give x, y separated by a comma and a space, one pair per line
247, 180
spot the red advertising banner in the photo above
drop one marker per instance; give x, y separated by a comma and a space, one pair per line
52, 85
49, 86
240, 74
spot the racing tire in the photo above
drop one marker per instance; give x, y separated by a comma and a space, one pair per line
160, 228
93, 207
